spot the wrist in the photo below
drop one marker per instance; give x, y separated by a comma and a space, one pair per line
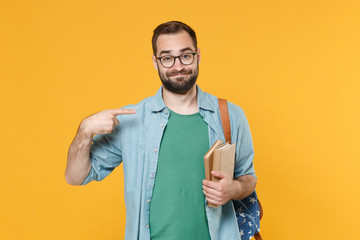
84, 134
239, 187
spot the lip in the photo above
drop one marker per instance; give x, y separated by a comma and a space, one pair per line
178, 75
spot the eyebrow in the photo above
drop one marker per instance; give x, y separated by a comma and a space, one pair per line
181, 50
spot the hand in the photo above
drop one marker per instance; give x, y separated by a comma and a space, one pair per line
103, 122
219, 193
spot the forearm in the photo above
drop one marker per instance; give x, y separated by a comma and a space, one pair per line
244, 186
78, 162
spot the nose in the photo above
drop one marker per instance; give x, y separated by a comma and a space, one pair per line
178, 65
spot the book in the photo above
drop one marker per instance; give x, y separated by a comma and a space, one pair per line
220, 157
208, 160
224, 160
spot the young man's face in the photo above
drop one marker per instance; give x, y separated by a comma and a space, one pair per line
179, 78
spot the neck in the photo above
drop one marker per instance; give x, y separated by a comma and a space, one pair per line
181, 103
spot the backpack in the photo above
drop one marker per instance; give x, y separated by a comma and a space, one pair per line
248, 211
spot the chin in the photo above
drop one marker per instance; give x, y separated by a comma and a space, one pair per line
179, 84
175, 88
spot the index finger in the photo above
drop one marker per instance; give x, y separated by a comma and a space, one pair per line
210, 184
122, 111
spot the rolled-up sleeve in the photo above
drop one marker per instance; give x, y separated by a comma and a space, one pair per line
244, 145
105, 155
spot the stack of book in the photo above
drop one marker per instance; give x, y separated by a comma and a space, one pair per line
221, 158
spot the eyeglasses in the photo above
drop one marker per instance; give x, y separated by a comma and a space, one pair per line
168, 61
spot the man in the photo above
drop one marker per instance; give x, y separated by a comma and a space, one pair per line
161, 142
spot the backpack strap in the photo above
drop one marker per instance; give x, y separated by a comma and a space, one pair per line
225, 120
257, 236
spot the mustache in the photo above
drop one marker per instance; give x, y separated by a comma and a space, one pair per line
175, 72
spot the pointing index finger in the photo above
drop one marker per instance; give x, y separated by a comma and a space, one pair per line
122, 111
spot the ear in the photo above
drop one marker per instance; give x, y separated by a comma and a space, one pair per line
155, 62
198, 54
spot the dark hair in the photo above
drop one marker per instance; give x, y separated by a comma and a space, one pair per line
172, 28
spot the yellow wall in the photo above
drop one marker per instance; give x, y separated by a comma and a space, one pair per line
293, 66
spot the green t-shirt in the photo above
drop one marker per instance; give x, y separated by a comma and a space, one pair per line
177, 209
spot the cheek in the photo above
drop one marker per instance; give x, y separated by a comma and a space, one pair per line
194, 69
162, 72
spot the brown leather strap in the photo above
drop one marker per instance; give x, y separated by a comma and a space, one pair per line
257, 236
261, 209
225, 120
224, 113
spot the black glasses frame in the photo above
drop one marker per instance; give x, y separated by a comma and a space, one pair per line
175, 57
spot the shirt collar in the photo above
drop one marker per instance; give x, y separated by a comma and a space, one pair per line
204, 101
158, 103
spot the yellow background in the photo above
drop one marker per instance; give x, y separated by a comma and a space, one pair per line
293, 66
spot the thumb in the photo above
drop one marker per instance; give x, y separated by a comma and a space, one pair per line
219, 174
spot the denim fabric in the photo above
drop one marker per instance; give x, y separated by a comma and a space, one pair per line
248, 216
135, 142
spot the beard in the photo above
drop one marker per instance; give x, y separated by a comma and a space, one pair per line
182, 84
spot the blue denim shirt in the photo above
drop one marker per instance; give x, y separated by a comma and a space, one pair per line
135, 142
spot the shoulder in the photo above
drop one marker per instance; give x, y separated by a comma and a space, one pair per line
149, 105
140, 105
237, 116
142, 109
212, 101
235, 111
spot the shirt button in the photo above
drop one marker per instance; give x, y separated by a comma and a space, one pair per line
152, 176
155, 150
166, 111
148, 200
161, 125
147, 226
